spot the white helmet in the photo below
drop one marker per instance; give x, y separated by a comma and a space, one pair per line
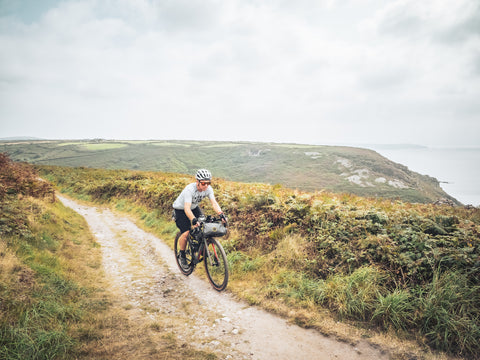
203, 174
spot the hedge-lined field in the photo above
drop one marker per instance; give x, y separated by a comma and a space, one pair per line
392, 265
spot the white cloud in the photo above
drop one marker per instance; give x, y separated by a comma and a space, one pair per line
303, 71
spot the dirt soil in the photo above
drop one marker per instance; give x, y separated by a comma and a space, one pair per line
141, 268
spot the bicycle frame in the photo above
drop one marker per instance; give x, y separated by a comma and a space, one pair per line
206, 248
203, 244
198, 248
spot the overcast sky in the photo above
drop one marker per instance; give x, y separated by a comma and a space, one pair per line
304, 71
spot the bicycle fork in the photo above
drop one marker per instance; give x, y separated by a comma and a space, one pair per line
213, 262
203, 249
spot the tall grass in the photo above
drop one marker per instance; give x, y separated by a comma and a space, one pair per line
40, 301
449, 316
395, 310
355, 295
53, 299
385, 264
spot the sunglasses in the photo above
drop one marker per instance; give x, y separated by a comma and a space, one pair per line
205, 183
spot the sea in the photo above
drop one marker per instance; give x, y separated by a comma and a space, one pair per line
457, 169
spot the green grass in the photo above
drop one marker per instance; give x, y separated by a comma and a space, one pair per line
71, 143
355, 295
23, 342
395, 310
387, 265
449, 315
97, 147
166, 143
42, 302
52, 302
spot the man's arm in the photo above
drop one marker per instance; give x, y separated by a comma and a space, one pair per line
188, 211
215, 206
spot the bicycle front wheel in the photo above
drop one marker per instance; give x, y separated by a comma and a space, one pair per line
216, 264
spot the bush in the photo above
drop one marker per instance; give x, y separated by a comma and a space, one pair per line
384, 261
21, 179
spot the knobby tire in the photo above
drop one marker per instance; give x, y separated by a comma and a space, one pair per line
216, 265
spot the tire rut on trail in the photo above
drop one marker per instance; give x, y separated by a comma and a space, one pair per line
142, 269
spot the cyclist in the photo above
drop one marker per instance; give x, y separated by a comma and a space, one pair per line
187, 210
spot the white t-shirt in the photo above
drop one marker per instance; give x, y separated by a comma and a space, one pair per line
191, 195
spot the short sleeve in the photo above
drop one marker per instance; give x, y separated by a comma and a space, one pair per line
188, 196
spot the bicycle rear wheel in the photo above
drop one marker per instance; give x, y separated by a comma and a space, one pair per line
188, 253
216, 264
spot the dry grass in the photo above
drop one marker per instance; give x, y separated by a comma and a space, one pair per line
280, 271
113, 329
117, 333
9, 265
290, 253
251, 288
105, 327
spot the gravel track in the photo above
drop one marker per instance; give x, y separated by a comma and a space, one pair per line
142, 269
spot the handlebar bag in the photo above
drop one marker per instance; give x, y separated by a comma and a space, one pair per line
214, 229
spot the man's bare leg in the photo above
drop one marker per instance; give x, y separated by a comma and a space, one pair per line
182, 240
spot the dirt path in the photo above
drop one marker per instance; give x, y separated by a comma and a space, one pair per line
143, 270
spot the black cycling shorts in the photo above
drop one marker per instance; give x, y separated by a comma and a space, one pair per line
182, 221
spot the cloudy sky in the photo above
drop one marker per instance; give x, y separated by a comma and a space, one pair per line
304, 71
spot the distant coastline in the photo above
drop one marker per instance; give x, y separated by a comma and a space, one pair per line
455, 168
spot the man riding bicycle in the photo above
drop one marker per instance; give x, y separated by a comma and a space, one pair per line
187, 210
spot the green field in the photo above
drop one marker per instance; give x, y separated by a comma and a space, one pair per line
298, 166
96, 147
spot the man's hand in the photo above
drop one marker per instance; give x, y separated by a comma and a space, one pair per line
195, 223
223, 218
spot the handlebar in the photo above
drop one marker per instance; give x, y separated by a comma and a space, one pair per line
211, 219
199, 225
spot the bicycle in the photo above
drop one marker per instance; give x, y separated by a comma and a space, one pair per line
202, 246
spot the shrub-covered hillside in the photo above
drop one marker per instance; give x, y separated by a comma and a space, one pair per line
391, 265
306, 167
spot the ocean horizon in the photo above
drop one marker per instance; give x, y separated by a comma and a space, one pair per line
457, 169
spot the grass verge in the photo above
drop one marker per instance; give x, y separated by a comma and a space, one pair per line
362, 305
366, 262
54, 299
